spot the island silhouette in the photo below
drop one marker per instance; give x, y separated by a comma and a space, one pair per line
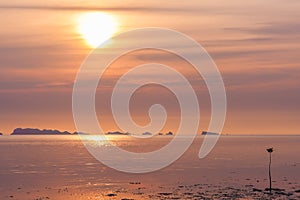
35, 131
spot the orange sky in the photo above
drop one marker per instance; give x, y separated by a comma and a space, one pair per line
255, 44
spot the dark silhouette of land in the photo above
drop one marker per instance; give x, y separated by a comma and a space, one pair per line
35, 131
116, 133
209, 133
145, 133
170, 133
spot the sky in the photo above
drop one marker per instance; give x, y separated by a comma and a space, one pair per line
255, 45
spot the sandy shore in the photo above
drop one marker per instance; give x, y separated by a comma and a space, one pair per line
138, 190
62, 169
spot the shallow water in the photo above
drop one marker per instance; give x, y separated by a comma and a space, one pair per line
38, 162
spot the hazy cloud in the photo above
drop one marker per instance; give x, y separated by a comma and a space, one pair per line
95, 8
279, 29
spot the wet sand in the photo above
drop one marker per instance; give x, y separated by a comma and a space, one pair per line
61, 168
142, 191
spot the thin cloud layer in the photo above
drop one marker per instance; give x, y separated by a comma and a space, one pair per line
255, 44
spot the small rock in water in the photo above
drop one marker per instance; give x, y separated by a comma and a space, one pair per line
257, 190
280, 193
188, 193
111, 195
135, 183
165, 193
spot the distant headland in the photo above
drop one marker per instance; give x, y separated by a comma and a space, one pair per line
144, 134
116, 133
209, 133
35, 131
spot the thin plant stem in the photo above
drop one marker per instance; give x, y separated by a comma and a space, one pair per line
270, 177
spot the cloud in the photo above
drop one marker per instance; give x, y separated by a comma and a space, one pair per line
278, 29
12, 86
263, 89
242, 79
95, 8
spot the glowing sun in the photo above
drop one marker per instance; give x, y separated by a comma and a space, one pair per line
97, 27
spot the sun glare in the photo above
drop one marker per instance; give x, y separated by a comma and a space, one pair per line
97, 27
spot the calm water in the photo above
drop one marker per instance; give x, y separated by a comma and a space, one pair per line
47, 161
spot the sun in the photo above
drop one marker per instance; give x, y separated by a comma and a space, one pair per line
97, 27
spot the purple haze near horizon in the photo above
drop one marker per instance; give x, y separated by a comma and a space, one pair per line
255, 44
